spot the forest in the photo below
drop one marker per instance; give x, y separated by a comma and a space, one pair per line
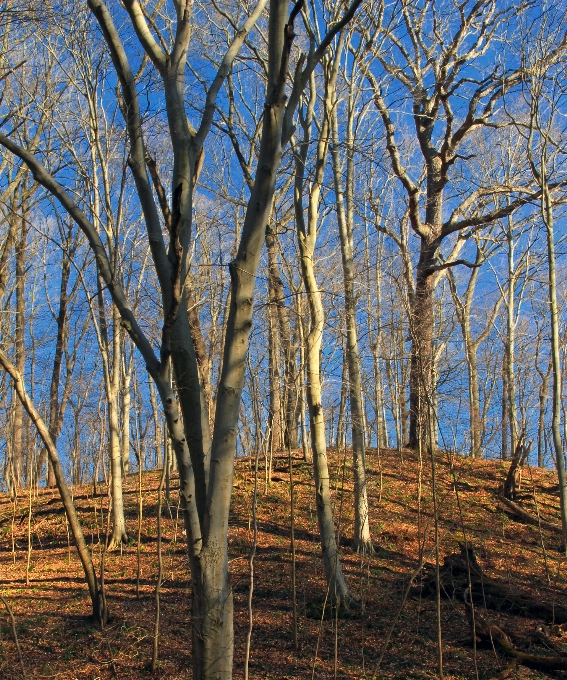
283, 282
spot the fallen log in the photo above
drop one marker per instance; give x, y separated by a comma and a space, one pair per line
487, 592
518, 511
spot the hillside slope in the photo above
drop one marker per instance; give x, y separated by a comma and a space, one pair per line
58, 640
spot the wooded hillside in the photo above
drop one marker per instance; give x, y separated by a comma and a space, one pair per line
235, 232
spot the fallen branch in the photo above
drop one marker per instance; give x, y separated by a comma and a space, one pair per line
524, 515
493, 634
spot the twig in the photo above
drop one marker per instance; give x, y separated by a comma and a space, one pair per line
15, 634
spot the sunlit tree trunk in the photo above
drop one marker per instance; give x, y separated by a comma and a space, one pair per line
345, 218
274, 291
127, 367
19, 343
511, 343
307, 235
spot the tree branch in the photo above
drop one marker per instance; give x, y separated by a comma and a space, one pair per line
223, 72
153, 50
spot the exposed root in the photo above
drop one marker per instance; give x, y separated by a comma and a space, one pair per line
361, 547
116, 541
487, 631
506, 672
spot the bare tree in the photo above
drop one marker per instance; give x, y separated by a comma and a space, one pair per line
545, 148
345, 217
98, 605
307, 238
205, 468
419, 49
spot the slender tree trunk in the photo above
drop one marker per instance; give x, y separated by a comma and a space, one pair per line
55, 409
157, 425
335, 579
275, 442
543, 395
126, 406
290, 397
99, 613
307, 452
463, 310
504, 405
511, 345
362, 541
307, 235
119, 534
547, 215
19, 338
376, 345
340, 439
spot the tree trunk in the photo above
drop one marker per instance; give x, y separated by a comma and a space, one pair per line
213, 600
274, 290
126, 406
335, 579
340, 439
463, 310
543, 395
307, 452
201, 353
307, 236
157, 425
291, 394
504, 405
119, 534
421, 333
55, 410
376, 345
99, 609
547, 215
362, 541
19, 342
511, 344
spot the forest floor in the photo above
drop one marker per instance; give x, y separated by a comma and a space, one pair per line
59, 641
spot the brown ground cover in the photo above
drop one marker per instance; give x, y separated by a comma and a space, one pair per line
59, 641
